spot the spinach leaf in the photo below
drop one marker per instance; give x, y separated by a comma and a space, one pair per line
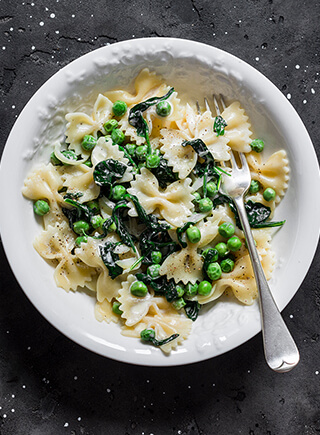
192, 309
148, 335
79, 212
160, 285
121, 229
208, 166
107, 172
71, 195
257, 215
164, 173
219, 125
220, 199
109, 257
136, 119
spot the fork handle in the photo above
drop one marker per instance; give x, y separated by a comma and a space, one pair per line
280, 350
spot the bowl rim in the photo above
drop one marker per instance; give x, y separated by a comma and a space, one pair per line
193, 46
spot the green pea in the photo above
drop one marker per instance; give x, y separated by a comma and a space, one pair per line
179, 303
191, 290
69, 154
227, 265
193, 234
138, 288
97, 221
41, 207
153, 270
94, 205
204, 288
54, 159
119, 108
147, 334
156, 257
110, 125
257, 145
234, 244
80, 227
197, 196
152, 161
214, 271
81, 239
222, 249
254, 186
88, 142
116, 308
88, 163
112, 227
211, 188
226, 229
131, 148
117, 136
180, 290
163, 108
269, 194
205, 205
141, 152
118, 192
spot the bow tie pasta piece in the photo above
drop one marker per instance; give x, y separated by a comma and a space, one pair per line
186, 264
165, 321
70, 272
106, 150
182, 159
103, 312
146, 85
174, 203
274, 172
80, 180
134, 308
195, 126
241, 280
237, 132
80, 124
88, 253
44, 182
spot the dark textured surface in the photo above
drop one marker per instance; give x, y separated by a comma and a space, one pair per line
49, 385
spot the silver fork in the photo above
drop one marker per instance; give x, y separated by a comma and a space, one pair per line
280, 350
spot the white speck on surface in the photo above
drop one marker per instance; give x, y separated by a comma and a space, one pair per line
8, 332
291, 316
23, 386
289, 96
257, 59
13, 107
13, 396
108, 390
4, 416
11, 29
249, 371
3, 48
225, 33
79, 418
66, 425
304, 101
52, 15
297, 66
73, 15
41, 23
29, 347
312, 91
316, 372
12, 410
33, 47
189, 386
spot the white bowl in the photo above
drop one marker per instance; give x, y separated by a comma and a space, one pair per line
197, 70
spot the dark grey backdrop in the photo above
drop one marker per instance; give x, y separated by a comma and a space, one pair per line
49, 385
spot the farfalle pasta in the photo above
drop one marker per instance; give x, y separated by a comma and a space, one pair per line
131, 208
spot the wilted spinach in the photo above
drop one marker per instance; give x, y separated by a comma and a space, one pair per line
160, 285
79, 212
164, 173
137, 120
192, 309
109, 257
148, 335
107, 172
257, 215
181, 230
121, 229
219, 125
